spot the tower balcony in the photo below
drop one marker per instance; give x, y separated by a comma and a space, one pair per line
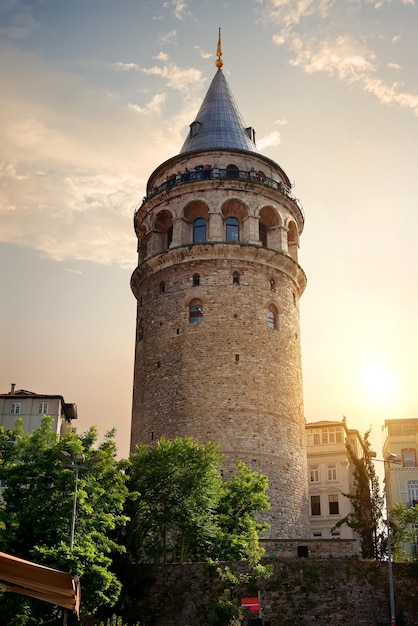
199, 174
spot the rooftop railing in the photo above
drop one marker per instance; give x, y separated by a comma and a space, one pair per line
217, 173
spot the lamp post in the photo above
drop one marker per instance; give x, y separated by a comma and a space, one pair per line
391, 458
75, 462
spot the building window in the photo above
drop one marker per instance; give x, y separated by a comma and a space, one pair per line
199, 230
315, 505
408, 458
262, 234
232, 229
314, 474
42, 408
330, 434
235, 278
162, 287
272, 284
317, 535
196, 314
332, 472
412, 486
333, 504
196, 280
15, 408
271, 318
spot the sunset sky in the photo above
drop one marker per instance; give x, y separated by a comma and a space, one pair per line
97, 93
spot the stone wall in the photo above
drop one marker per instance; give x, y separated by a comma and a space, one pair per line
312, 592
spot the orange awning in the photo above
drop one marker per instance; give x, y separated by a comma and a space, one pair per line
38, 581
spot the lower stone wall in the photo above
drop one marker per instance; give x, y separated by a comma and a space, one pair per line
308, 591
316, 548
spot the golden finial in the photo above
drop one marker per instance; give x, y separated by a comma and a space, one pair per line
219, 61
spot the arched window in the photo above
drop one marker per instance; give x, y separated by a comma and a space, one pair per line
195, 314
199, 230
162, 287
232, 171
232, 229
271, 318
235, 278
196, 280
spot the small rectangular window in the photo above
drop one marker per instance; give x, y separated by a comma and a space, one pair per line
314, 474
315, 505
42, 408
408, 457
15, 408
333, 504
332, 472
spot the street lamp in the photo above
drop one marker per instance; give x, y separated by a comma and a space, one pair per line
391, 458
77, 463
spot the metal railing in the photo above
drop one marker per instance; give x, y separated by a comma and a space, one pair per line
216, 173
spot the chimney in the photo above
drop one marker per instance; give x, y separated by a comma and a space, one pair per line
12, 390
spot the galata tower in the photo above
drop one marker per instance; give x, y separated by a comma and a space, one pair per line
218, 283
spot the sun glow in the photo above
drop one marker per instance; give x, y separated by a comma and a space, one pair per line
380, 385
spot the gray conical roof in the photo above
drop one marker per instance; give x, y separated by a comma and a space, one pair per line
218, 123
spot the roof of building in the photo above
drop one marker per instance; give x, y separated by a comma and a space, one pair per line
218, 123
69, 408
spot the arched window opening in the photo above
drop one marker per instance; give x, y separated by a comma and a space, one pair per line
232, 229
195, 314
162, 287
235, 278
262, 233
271, 318
292, 241
199, 230
232, 171
196, 280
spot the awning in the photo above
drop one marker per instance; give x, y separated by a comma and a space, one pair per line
37, 581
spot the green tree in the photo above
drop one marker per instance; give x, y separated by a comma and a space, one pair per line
242, 497
37, 512
180, 508
404, 531
366, 502
173, 490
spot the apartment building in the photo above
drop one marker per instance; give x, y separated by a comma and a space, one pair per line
30, 408
330, 475
400, 437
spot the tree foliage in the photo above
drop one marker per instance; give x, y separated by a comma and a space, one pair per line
404, 532
366, 502
181, 509
37, 511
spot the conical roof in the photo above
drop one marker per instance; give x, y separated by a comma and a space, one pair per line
218, 123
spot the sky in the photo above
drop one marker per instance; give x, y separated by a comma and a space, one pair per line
95, 94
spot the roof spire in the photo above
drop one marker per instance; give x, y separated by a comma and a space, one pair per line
219, 61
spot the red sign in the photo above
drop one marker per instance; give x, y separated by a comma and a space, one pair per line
250, 603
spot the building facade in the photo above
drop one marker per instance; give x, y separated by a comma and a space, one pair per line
330, 475
400, 437
30, 407
217, 286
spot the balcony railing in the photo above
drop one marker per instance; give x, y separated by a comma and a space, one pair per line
216, 173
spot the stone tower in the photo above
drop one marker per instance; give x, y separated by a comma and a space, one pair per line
218, 285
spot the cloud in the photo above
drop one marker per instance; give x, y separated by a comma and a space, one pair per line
272, 139
169, 38
317, 35
75, 158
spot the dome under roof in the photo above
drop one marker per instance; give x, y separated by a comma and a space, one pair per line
218, 123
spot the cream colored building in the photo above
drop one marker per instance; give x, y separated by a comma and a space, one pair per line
30, 407
400, 437
330, 475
